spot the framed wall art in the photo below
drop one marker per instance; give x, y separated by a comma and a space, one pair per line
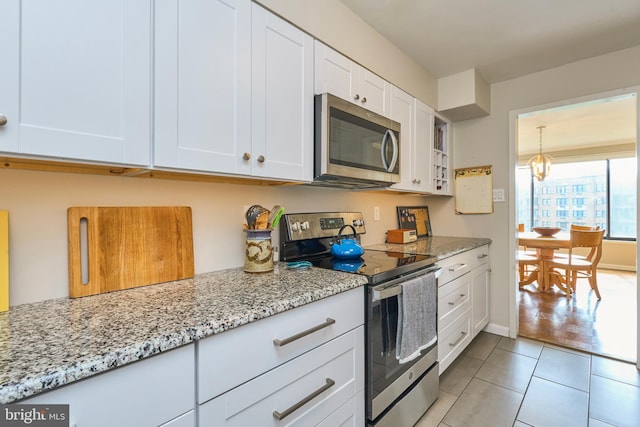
415, 218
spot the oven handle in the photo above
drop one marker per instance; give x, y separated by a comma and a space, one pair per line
393, 288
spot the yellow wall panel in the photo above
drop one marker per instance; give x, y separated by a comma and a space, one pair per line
4, 261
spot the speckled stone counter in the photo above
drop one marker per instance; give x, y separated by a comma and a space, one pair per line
440, 247
48, 344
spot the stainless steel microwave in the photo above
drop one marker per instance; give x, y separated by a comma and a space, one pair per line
354, 147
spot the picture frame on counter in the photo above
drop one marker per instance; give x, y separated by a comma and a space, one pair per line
415, 218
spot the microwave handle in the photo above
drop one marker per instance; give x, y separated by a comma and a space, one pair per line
394, 158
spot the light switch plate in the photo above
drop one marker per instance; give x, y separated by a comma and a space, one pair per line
498, 195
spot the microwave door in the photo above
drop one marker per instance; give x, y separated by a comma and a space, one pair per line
389, 135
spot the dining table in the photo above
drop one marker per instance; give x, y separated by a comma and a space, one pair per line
546, 247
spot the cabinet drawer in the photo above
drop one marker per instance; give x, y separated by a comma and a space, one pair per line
256, 402
453, 300
149, 392
236, 356
351, 414
453, 339
480, 255
462, 263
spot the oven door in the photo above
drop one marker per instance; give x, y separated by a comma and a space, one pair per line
387, 379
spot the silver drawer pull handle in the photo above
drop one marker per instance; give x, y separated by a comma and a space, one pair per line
292, 409
457, 299
309, 331
457, 267
482, 256
460, 338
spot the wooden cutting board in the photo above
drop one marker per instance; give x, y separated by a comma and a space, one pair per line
115, 248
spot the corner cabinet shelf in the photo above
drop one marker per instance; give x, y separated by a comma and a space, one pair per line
441, 158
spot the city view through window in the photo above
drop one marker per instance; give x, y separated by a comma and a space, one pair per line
601, 193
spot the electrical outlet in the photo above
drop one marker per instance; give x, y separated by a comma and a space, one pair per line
376, 213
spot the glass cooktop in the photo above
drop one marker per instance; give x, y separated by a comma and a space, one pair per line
378, 266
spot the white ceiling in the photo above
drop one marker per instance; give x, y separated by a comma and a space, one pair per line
505, 39
502, 39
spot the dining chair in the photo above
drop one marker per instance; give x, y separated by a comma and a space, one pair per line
528, 264
576, 267
584, 228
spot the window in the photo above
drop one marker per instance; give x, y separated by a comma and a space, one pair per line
601, 192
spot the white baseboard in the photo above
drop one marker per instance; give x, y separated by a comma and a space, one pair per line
497, 329
617, 267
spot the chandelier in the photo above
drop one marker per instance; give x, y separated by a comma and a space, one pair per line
540, 165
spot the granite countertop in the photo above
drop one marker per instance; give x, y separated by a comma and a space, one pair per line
440, 247
48, 344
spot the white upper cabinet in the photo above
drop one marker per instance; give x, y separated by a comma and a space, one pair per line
75, 79
416, 120
401, 110
281, 99
340, 76
234, 91
203, 85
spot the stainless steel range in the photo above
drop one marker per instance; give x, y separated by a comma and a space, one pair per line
398, 391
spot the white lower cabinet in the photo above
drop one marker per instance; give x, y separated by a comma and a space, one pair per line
306, 391
463, 302
480, 293
184, 420
156, 391
305, 364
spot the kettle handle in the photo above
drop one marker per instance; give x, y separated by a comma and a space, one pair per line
343, 227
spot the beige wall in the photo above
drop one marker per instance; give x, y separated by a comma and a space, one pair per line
37, 203
487, 141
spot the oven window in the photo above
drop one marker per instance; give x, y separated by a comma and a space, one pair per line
381, 341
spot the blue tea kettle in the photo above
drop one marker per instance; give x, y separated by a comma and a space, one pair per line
343, 247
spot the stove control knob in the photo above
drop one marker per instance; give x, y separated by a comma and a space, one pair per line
295, 226
304, 226
358, 222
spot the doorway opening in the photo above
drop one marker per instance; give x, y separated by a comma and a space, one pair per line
592, 182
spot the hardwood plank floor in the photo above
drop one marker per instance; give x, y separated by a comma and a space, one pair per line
606, 327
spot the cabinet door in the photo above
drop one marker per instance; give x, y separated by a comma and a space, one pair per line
334, 73
149, 392
203, 85
480, 298
402, 111
422, 147
282, 99
373, 92
340, 76
78, 74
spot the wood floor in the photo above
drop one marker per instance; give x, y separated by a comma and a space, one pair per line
606, 327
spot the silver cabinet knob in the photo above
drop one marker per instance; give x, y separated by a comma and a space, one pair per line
246, 156
357, 97
261, 159
3, 120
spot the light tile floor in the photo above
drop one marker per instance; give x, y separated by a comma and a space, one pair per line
499, 381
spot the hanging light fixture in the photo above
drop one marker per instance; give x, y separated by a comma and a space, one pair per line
540, 165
